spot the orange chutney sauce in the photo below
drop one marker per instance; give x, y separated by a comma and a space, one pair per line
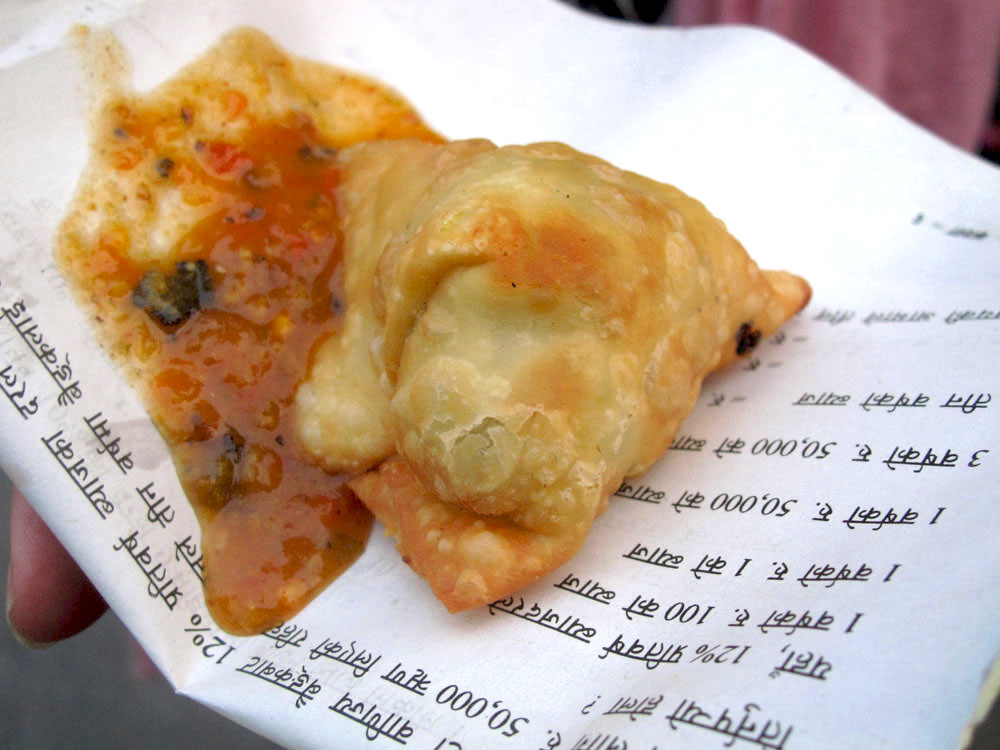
220, 332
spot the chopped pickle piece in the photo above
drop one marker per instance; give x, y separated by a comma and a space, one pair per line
173, 299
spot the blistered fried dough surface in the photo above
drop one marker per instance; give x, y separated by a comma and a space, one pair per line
538, 323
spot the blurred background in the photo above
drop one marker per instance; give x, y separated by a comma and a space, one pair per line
99, 690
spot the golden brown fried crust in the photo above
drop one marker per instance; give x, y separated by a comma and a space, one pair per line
539, 323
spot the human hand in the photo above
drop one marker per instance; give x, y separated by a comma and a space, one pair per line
48, 597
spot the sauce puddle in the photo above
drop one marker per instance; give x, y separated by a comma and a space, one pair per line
206, 240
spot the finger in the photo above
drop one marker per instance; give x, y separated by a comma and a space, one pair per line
48, 596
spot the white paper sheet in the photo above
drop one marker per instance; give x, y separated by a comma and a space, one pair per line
814, 564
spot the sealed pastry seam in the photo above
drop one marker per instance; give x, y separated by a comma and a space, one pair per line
545, 322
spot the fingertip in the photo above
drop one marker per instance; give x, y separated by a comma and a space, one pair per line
13, 628
48, 597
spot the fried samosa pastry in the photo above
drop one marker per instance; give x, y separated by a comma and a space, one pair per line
525, 328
